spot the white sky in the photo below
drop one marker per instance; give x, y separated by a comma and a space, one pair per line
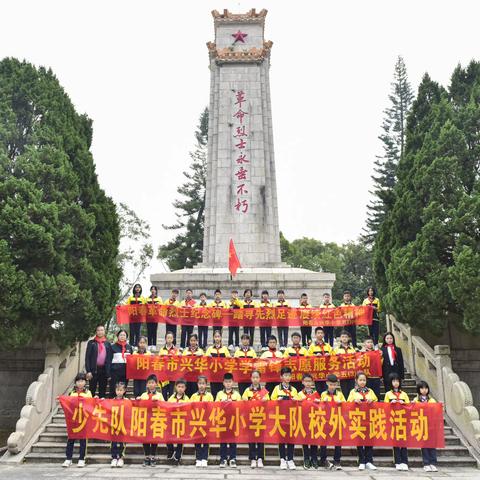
139, 69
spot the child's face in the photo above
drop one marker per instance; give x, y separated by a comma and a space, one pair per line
286, 377
332, 386
122, 336
234, 295
80, 384
347, 298
389, 339
247, 295
193, 342
142, 344
304, 300
344, 338
424, 391
202, 385
120, 391
319, 334
169, 339
188, 294
137, 289
361, 381
151, 385
218, 296
272, 344
296, 340
307, 383
153, 291
255, 378
281, 297
174, 295
203, 298
396, 383
370, 292
245, 342
228, 384
326, 299
264, 297
180, 388
217, 338
369, 344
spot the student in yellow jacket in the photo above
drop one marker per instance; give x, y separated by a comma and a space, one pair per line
374, 302
397, 395
139, 386
179, 396
169, 349
201, 449
79, 390
135, 299
152, 327
245, 351
193, 350
217, 350
319, 348
345, 346
248, 302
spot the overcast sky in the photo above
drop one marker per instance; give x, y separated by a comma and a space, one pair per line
139, 69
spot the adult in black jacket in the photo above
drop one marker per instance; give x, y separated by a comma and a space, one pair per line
98, 359
392, 360
118, 371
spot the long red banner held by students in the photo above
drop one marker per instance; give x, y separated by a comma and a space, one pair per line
347, 424
239, 317
190, 367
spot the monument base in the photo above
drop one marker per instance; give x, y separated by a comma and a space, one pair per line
294, 281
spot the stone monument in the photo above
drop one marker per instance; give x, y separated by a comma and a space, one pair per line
241, 197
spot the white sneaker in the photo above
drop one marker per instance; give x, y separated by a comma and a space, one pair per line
361, 466
427, 468
370, 466
120, 463
198, 463
204, 463
231, 347
291, 465
404, 466
433, 468
253, 464
81, 463
260, 463
283, 464
398, 466
66, 463
113, 463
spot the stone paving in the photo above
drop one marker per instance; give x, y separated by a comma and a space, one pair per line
93, 472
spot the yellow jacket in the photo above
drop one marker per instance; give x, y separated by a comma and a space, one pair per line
322, 349
295, 352
251, 394
221, 304
303, 395
156, 300
282, 393
169, 351
271, 354
197, 353
86, 393
168, 301
330, 305
152, 396
223, 351
237, 303
418, 400
363, 397
223, 396
131, 300
401, 395
252, 304
338, 396
340, 350
280, 305
198, 397
174, 399
241, 353
375, 301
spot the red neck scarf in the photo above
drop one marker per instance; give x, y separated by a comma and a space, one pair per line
391, 347
123, 345
100, 341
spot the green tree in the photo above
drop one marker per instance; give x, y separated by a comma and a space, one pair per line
393, 145
59, 232
186, 249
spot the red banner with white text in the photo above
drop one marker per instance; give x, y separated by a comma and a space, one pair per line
239, 317
347, 424
172, 367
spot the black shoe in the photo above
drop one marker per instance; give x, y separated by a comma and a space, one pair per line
315, 464
336, 466
176, 461
146, 462
322, 464
170, 455
307, 464
153, 462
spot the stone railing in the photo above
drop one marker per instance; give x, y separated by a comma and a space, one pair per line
40, 402
435, 367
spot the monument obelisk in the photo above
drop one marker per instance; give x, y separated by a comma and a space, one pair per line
241, 196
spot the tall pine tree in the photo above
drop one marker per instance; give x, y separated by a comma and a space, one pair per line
186, 249
393, 144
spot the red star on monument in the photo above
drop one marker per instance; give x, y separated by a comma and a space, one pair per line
239, 37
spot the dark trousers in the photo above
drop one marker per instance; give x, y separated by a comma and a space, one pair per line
374, 331
320, 386
374, 384
99, 378
282, 336
175, 451
429, 456
117, 375
352, 330
265, 332
185, 333
297, 385
118, 450
234, 336
191, 388
310, 452
167, 390
242, 387
201, 451
256, 451
150, 449
215, 387
270, 386
250, 331
337, 453
152, 329
83, 449
135, 328
286, 451
329, 335
172, 328
228, 451
365, 455
139, 387
203, 337
347, 386
400, 455
306, 333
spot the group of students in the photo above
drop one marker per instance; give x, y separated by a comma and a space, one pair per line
362, 389
247, 302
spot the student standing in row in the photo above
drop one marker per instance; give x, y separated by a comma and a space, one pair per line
372, 382
265, 332
120, 351
234, 332
272, 352
296, 351
217, 303
248, 302
345, 347
320, 348
135, 299
168, 349
186, 330
139, 386
305, 331
174, 453
327, 303
372, 301
245, 351
173, 302
193, 350
152, 327
201, 449
202, 330
282, 331
217, 350
351, 329
117, 449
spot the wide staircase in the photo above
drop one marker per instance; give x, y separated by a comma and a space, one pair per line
50, 447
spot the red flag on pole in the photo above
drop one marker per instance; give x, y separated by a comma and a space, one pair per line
233, 261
